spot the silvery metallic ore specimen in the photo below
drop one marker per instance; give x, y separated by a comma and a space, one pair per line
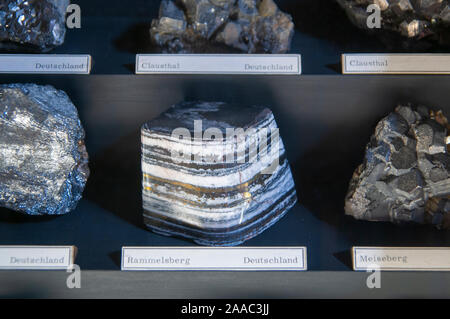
222, 26
43, 159
413, 19
216, 192
405, 176
32, 25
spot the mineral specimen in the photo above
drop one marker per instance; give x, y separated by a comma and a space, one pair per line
222, 26
214, 173
32, 25
43, 159
405, 176
412, 19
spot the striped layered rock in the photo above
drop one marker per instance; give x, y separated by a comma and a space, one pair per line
203, 179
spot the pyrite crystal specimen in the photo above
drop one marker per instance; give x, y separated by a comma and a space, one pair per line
405, 176
218, 192
43, 159
32, 25
412, 19
222, 26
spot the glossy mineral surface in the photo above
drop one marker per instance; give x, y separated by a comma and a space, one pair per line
412, 19
222, 26
43, 160
202, 198
405, 176
32, 25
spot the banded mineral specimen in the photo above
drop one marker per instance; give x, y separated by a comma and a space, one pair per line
222, 26
205, 180
43, 159
405, 176
412, 19
32, 25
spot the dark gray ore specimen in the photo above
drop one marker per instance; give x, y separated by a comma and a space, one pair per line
405, 176
43, 159
199, 26
413, 19
32, 25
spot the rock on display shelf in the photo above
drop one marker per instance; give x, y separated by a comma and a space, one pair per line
33, 25
205, 26
43, 158
204, 195
405, 174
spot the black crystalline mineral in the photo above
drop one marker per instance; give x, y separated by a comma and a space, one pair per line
32, 25
426, 20
43, 159
405, 176
222, 26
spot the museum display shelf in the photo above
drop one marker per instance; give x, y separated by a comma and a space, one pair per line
325, 122
113, 34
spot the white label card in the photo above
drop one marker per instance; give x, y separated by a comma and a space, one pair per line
37, 257
45, 63
401, 258
396, 63
263, 64
220, 259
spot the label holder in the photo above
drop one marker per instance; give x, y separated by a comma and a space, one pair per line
407, 252
197, 64
24, 63
207, 251
67, 251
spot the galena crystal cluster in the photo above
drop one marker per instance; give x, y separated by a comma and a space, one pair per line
405, 176
219, 192
32, 25
413, 19
43, 159
222, 26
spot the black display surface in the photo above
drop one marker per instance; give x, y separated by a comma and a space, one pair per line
113, 32
325, 123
